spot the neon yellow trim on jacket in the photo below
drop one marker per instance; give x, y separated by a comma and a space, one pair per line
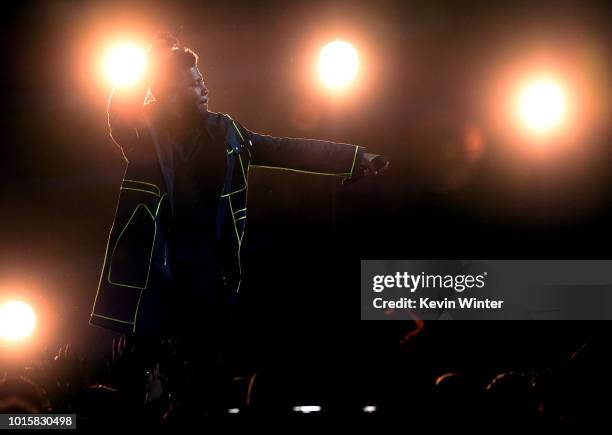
119, 239
235, 191
140, 190
111, 318
354, 160
145, 183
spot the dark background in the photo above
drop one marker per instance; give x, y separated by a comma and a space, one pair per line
429, 69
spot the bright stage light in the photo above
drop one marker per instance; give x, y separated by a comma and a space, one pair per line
124, 64
17, 321
338, 64
542, 105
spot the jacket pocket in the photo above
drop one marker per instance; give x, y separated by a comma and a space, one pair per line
132, 254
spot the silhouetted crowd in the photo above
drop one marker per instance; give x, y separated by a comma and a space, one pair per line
163, 384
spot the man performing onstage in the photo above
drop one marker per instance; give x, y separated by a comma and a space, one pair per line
172, 261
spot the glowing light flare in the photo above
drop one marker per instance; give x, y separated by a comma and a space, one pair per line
542, 105
124, 64
307, 409
338, 64
17, 321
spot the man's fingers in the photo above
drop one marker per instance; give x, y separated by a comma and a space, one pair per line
370, 168
384, 168
374, 164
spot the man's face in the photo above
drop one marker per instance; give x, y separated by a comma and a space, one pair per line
191, 95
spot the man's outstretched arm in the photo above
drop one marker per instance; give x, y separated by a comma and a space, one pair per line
312, 156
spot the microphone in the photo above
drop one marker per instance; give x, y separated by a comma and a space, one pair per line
379, 162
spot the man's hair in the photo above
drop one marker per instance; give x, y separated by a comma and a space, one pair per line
168, 73
183, 58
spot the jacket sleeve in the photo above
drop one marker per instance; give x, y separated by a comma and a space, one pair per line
305, 155
125, 114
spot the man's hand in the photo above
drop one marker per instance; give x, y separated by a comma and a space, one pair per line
370, 164
125, 102
373, 164
161, 48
